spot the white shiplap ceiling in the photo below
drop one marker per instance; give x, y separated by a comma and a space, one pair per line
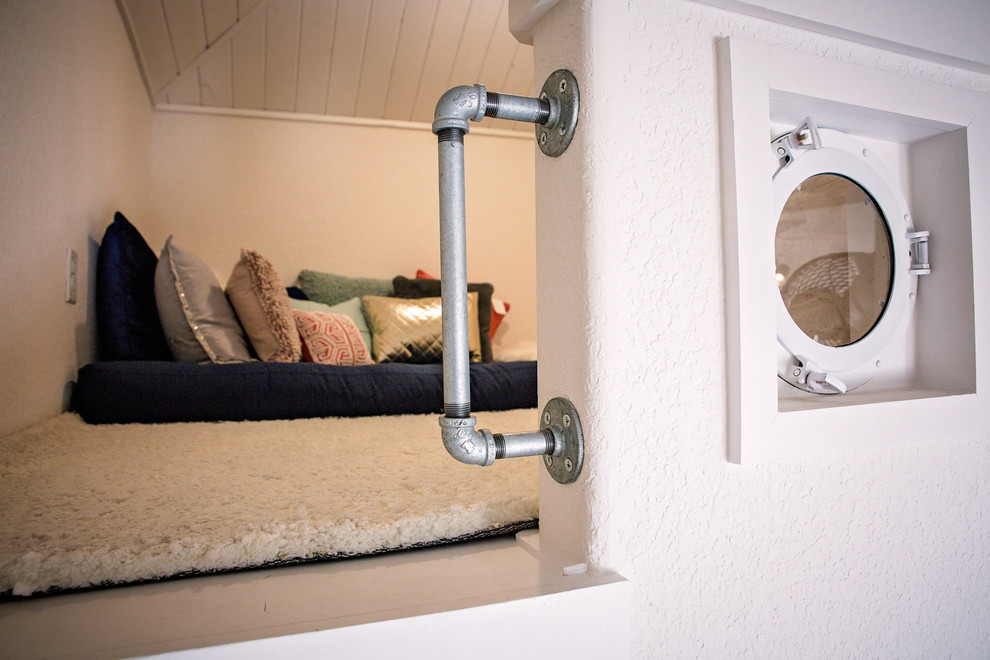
376, 59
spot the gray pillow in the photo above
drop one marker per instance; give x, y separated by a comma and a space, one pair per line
199, 323
331, 289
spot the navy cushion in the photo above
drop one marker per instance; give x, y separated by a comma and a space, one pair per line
296, 293
157, 392
126, 314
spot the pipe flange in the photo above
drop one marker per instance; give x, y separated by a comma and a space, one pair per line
561, 418
561, 90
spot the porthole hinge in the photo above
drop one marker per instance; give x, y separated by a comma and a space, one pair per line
918, 242
804, 137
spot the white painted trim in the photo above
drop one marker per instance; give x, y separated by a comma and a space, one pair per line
404, 604
331, 119
945, 52
524, 15
952, 392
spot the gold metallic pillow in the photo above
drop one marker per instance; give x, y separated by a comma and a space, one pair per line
408, 330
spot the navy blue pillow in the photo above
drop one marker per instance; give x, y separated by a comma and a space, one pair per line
126, 314
296, 293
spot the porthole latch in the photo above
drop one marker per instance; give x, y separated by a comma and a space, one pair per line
918, 241
809, 376
804, 137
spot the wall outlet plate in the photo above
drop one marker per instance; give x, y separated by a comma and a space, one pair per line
71, 268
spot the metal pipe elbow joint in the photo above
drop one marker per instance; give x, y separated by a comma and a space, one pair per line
458, 106
467, 445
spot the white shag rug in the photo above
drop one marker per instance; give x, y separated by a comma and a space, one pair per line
84, 505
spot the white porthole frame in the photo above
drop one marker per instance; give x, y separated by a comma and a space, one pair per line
936, 138
803, 362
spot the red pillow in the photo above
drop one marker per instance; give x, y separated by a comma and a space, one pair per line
499, 307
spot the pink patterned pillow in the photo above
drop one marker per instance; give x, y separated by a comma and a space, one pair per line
330, 339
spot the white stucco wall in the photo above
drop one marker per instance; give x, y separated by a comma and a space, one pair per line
75, 146
869, 553
346, 198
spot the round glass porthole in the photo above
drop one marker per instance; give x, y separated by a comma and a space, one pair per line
832, 249
842, 260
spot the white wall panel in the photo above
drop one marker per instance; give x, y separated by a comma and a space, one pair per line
414, 38
216, 77
186, 30
949, 31
184, 90
218, 17
872, 553
379, 56
245, 6
446, 35
355, 58
248, 63
315, 46
350, 32
282, 54
151, 35
474, 40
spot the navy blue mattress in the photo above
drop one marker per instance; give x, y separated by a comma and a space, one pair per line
124, 392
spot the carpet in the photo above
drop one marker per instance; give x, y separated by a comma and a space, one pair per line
86, 505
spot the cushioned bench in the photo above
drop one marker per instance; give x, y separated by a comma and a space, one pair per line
122, 392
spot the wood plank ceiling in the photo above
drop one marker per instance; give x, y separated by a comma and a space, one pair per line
378, 59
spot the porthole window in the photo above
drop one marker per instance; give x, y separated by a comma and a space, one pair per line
846, 254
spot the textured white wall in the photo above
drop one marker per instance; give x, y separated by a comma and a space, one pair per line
75, 146
952, 31
869, 553
342, 198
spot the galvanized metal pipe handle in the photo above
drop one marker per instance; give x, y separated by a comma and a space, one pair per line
556, 112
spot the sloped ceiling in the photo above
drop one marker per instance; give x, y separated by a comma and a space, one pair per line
377, 59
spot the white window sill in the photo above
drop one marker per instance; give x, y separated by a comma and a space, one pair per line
368, 604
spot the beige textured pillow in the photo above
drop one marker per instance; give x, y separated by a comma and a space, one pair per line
262, 305
409, 329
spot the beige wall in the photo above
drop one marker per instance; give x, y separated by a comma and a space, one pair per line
74, 147
351, 199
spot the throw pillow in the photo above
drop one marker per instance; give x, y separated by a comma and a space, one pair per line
295, 293
331, 289
352, 309
199, 323
330, 339
126, 315
404, 330
499, 307
262, 305
423, 288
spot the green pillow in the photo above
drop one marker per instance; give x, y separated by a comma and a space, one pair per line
332, 289
352, 309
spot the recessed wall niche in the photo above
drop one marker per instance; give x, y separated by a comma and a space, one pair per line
935, 140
